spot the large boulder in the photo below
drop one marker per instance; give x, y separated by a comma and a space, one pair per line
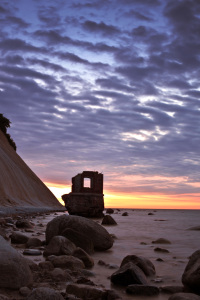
128, 274
191, 274
87, 227
15, 271
108, 220
143, 263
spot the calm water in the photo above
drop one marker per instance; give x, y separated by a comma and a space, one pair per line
135, 234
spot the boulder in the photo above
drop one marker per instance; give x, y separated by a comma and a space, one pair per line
59, 275
125, 214
110, 211
184, 296
191, 274
23, 224
33, 242
162, 250
161, 241
87, 227
82, 255
18, 238
66, 262
15, 272
79, 239
44, 293
128, 274
59, 245
108, 220
143, 290
143, 263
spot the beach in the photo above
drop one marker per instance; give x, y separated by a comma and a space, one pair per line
133, 235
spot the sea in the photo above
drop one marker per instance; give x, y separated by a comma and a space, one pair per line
134, 235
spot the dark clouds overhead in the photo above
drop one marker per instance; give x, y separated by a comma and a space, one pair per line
111, 86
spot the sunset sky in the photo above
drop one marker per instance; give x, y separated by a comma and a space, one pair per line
106, 85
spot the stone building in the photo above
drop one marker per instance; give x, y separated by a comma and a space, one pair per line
86, 198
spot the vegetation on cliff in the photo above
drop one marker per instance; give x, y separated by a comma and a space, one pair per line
4, 125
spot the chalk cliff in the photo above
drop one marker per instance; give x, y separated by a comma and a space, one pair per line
20, 188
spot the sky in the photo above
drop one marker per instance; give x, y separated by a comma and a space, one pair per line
109, 86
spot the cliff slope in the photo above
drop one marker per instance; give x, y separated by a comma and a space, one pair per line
20, 189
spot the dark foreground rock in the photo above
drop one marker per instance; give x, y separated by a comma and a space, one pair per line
82, 255
143, 290
14, 270
44, 293
184, 296
87, 227
191, 274
143, 263
128, 274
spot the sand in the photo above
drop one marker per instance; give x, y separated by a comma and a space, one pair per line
134, 235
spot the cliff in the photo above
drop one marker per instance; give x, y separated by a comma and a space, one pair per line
20, 189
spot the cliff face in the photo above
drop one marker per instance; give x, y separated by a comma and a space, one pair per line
20, 188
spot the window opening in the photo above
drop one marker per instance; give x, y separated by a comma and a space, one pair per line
87, 183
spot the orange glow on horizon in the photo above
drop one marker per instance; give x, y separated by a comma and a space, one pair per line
114, 199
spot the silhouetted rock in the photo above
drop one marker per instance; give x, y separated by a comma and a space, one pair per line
14, 269
108, 220
161, 241
129, 274
59, 245
110, 211
158, 249
191, 274
125, 214
23, 224
143, 290
197, 228
86, 227
143, 263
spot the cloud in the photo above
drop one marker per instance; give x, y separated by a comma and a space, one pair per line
101, 28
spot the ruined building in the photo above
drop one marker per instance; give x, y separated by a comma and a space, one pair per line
86, 198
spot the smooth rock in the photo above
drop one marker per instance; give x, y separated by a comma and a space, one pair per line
82, 255
143, 263
87, 227
33, 252
86, 292
197, 228
24, 291
44, 293
109, 211
66, 262
59, 275
108, 220
59, 245
125, 214
79, 239
161, 241
23, 224
184, 296
33, 242
171, 289
128, 274
18, 238
191, 274
158, 249
143, 290
14, 269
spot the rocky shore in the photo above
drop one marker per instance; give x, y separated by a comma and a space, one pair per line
54, 256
